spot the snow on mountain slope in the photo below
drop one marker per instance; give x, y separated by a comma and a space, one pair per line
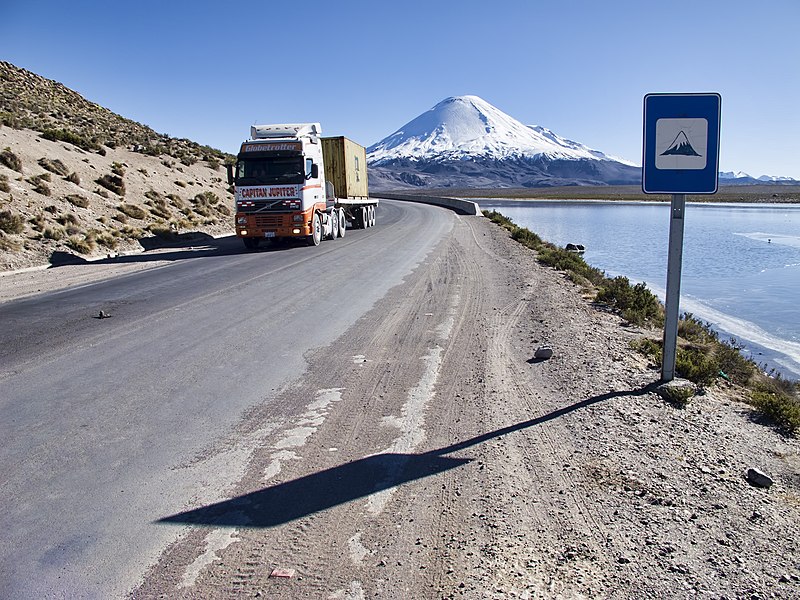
465, 127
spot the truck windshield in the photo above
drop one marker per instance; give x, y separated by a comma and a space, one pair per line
264, 171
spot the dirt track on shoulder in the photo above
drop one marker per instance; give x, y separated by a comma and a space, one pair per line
426, 455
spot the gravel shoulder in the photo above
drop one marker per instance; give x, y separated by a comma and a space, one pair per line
425, 455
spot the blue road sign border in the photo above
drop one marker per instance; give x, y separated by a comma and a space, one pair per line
681, 106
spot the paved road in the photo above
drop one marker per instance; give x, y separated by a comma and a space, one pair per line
109, 424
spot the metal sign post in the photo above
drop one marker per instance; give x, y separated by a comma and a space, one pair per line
673, 299
681, 156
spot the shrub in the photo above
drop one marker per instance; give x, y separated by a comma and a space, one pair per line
80, 244
696, 365
54, 233
118, 169
37, 222
11, 223
77, 200
782, 407
62, 135
131, 233
101, 193
73, 178
222, 209
176, 201
213, 163
54, 166
104, 238
67, 219
11, 160
113, 183
637, 304
9, 245
4, 187
133, 211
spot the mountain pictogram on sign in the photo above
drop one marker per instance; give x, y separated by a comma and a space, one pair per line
680, 146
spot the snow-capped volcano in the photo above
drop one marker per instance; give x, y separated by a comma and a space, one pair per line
469, 127
466, 142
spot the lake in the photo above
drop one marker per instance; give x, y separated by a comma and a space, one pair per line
741, 262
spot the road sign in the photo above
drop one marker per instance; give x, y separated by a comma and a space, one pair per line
681, 143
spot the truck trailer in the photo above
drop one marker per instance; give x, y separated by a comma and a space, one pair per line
291, 183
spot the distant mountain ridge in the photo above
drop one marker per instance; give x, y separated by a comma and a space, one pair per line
465, 142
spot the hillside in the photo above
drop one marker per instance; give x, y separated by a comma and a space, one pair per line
76, 178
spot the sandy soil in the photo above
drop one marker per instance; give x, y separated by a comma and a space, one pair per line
142, 175
425, 455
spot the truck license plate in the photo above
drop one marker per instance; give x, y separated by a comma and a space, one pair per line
269, 234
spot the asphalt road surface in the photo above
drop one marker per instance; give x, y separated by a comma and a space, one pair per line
108, 424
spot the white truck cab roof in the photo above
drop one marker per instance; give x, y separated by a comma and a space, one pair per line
287, 130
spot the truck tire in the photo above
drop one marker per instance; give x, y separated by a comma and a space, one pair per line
364, 217
250, 243
372, 216
316, 231
342, 223
334, 217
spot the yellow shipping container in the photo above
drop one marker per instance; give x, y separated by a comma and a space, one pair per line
345, 167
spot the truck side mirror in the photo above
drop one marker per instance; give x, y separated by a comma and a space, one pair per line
230, 173
314, 171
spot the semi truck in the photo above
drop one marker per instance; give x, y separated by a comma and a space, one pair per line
292, 183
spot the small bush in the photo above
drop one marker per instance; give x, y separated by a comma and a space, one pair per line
118, 169
132, 211
131, 233
77, 200
54, 166
213, 163
176, 201
778, 405
11, 160
101, 193
113, 183
81, 245
54, 233
104, 238
73, 178
67, 219
9, 245
62, 135
636, 303
38, 222
11, 223
696, 365
222, 209
4, 187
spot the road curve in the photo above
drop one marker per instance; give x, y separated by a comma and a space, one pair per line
107, 424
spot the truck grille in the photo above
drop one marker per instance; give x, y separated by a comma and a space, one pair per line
266, 221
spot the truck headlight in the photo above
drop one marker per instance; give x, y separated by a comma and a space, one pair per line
243, 232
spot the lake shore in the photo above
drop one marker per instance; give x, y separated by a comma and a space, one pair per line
780, 194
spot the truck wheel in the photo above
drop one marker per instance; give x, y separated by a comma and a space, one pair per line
372, 216
364, 217
334, 217
250, 243
342, 223
316, 231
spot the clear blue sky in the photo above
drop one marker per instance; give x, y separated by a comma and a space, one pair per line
208, 70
